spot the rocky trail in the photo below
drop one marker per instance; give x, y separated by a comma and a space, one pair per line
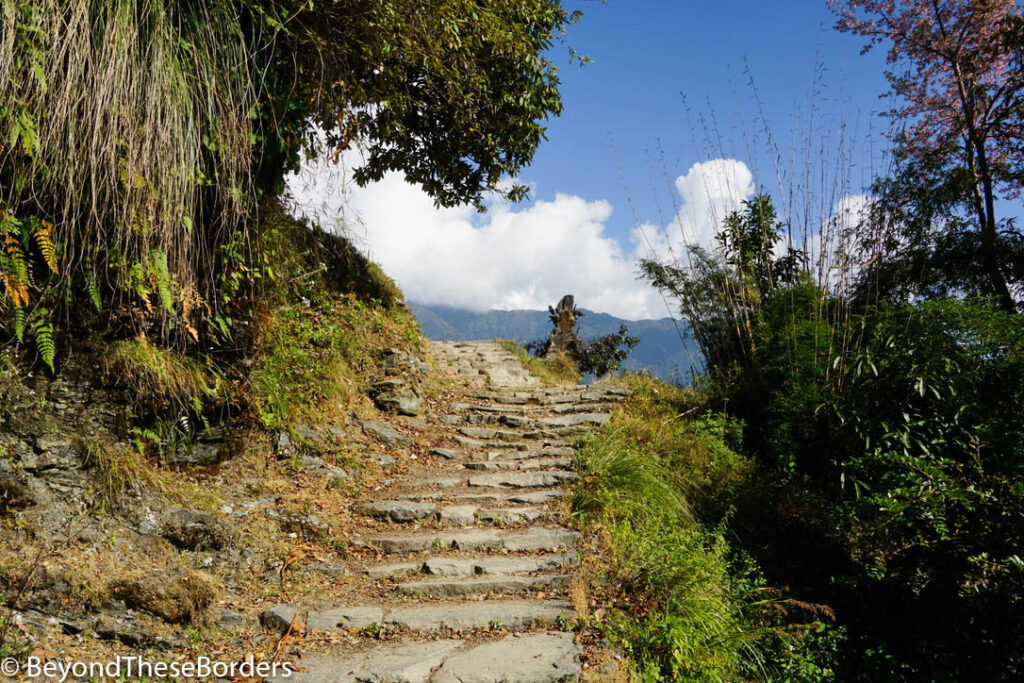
464, 564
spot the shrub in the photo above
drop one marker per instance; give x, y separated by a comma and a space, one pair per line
604, 355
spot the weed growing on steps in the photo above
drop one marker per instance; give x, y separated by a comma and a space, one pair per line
681, 600
555, 368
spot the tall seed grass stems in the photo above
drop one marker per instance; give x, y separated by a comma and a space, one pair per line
819, 216
130, 129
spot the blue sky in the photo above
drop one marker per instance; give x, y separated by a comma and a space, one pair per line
648, 55
623, 114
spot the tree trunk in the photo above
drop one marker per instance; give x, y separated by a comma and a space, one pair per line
989, 248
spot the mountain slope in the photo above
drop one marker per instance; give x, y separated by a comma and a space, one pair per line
661, 350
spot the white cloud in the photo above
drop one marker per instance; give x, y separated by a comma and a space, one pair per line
833, 251
513, 257
708, 192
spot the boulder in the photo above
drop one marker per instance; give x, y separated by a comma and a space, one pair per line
175, 595
385, 433
309, 527
279, 618
396, 396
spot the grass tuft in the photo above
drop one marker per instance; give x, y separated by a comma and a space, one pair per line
118, 471
159, 377
554, 369
126, 126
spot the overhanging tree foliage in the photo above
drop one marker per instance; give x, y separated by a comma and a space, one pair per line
451, 92
138, 136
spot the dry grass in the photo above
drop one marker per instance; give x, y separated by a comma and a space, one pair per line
120, 470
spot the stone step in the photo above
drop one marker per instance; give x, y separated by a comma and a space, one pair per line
531, 658
535, 538
503, 447
511, 516
488, 614
483, 496
524, 454
397, 510
482, 585
575, 419
552, 396
586, 407
538, 658
489, 565
503, 419
511, 410
552, 434
524, 398
524, 464
519, 480
488, 434
405, 511
461, 515
522, 480
428, 617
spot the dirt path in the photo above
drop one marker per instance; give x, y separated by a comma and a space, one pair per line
466, 562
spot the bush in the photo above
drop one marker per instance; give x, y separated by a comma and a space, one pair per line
906, 419
598, 357
605, 354
932, 464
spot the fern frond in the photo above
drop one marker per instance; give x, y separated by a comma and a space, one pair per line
94, 295
162, 278
42, 330
44, 239
19, 324
16, 276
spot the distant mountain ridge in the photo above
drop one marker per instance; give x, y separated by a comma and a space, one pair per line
661, 351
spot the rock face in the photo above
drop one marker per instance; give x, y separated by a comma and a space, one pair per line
470, 545
399, 393
190, 530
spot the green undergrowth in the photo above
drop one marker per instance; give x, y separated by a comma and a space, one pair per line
555, 368
328, 314
658, 487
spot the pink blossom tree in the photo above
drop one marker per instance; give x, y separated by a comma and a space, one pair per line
958, 88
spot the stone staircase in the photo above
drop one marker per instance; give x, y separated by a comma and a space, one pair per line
470, 561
